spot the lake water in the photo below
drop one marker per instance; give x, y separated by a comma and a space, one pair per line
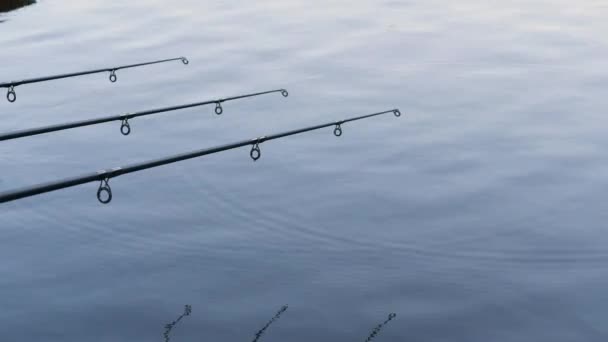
479, 215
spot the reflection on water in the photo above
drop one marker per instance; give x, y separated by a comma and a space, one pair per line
380, 326
169, 326
258, 335
11, 5
188, 310
261, 331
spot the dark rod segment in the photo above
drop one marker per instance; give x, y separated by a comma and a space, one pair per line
12, 97
125, 127
105, 175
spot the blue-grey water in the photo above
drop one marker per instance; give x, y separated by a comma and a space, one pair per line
479, 215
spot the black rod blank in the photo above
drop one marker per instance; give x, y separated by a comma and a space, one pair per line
125, 127
11, 95
104, 192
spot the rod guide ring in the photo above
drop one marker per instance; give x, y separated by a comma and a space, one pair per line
125, 128
284, 92
104, 193
255, 152
11, 95
397, 112
113, 77
338, 130
185, 60
218, 108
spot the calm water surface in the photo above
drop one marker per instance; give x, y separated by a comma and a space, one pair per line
477, 216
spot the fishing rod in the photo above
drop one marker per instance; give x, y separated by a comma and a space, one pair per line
104, 192
125, 127
11, 95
